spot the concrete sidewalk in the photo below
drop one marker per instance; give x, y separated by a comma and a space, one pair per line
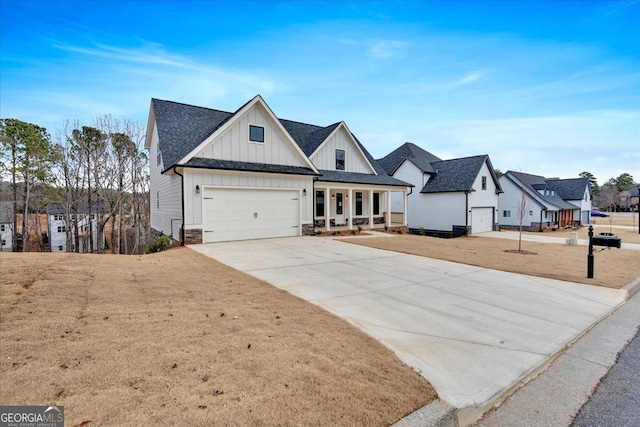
514, 235
473, 333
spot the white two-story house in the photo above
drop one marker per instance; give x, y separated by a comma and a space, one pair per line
220, 176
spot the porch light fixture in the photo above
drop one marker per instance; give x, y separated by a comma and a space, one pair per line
197, 189
333, 197
304, 191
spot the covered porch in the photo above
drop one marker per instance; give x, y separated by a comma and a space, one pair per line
348, 206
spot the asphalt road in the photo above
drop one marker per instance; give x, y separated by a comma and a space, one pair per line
616, 401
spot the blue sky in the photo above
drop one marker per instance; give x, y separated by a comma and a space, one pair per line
548, 87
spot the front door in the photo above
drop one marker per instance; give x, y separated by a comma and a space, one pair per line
339, 210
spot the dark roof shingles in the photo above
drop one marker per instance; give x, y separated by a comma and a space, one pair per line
454, 175
182, 127
419, 157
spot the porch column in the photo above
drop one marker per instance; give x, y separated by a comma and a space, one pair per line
388, 208
404, 211
371, 209
327, 211
350, 209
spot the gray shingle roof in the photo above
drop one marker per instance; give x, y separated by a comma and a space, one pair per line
308, 137
570, 189
454, 175
419, 157
534, 183
182, 127
360, 178
198, 162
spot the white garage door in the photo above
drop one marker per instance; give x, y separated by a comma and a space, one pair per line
481, 220
242, 214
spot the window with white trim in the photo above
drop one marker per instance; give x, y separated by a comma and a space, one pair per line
506, 214
339, 160
376, 203
60, 248
484, 182
358, 203
256, 133
62, 229
159, 158
2, 227
319, 203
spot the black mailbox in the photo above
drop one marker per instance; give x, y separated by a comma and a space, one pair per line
608, 241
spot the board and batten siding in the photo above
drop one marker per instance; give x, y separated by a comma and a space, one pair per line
169, 189
438, 211
354, 160
202, 178
483, 198
233, 144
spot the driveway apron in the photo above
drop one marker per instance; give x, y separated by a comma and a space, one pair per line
473, 333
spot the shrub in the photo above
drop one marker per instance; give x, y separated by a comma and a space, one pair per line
421, 231
160, 243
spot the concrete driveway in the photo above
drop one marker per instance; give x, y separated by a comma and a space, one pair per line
472, 332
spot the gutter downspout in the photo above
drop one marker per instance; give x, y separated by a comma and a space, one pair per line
182, 196
466, 210
313, 203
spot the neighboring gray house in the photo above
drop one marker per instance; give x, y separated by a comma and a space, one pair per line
62, 225
550, 202
219, 176
450, 194
6, 226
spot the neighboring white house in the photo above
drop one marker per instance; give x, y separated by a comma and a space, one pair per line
245, 175
6, 226
63, 222
548, 202
449, 195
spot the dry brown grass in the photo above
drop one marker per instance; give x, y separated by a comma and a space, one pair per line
178, 338
613, 268
626, 234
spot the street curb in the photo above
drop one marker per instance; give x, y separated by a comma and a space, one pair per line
632, 288
436, 414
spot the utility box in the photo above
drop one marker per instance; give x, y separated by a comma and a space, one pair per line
607, 241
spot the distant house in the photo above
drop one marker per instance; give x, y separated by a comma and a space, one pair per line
549, 202
449, 195
6, 226
63, 223
221, 176
628, 200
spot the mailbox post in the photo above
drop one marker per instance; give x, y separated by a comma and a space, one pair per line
590, 256
604, 239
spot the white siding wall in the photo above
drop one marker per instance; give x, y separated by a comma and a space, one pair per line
325, 157
6, 236
234, 143
437, 211
483, 198
431, 211
408, 172
169, 189
193, 201
510, 200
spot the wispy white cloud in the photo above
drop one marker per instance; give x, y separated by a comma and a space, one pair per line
471, 77
385, 49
